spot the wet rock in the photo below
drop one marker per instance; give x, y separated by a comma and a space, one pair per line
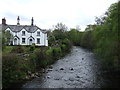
46, 72
29, 73
48, 77
56, 70
57, 78
71, 68
82, 58
36, 73
43, 71
71, 79
49, 69
77, 76
26, 55
65, 79
26, 77
61, 68
33, 76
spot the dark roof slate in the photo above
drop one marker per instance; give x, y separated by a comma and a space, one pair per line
18, 28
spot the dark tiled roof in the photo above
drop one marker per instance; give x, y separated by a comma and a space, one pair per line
18, 28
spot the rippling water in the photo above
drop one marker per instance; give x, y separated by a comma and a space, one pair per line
79, 69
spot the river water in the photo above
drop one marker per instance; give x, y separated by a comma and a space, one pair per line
79, 69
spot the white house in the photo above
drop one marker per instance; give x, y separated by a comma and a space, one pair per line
26, 34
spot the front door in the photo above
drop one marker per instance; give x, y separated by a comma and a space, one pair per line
15, 41
30, 42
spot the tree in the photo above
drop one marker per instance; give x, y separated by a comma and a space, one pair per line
90, 27
78, 28
7, 39
61, 27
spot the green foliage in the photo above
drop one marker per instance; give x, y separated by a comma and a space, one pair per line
18, 49
42, 58
107, 39
9, 68
102, 38
14, 68
59, 35
67, 42
87, 40
6, 39
32, 47
74, 36
56, 52
51, 40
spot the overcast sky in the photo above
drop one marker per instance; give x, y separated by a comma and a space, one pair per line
49, 12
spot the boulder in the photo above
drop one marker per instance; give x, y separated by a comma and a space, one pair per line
61, 69
50, 67
48, 77
71, 68
49, 70
77, 76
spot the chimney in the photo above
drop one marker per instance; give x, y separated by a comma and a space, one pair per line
32, 20
4, 21
18, 21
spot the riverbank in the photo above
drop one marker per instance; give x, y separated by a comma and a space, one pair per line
22, 63
78, 69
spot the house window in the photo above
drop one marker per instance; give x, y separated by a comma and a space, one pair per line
38, 40
23, 33
38, 33
23, 40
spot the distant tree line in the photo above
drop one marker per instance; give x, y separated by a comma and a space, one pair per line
103, 37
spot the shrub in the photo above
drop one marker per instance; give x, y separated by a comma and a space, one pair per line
56, 52
67, 43
32, 47
63, 47
17, 49
9, 68
39, 58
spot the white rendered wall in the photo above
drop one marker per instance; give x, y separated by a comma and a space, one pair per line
43, 37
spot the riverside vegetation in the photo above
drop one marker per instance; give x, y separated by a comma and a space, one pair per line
102, 38
20, 62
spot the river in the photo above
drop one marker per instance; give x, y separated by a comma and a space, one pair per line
79, 69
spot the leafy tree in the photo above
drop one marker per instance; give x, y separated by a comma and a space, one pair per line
6, 39
78, 28
90, 27
74, 36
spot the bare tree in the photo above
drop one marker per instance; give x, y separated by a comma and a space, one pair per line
61, 27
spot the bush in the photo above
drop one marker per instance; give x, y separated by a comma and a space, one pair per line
39, 58
56, 52
9, 68
32, 47
67, 42
17, 49
15, 68
63, 47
